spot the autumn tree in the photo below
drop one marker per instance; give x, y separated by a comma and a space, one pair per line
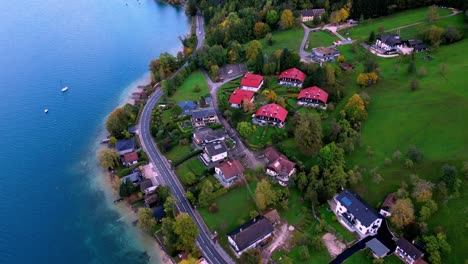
188, 178
422, 189
117, 122
355, 109
186, 231
206, 191
287, 19
271, 96
108, 158
248, 106
402, 213
432, 14
281, 102
433, 34
366, 79
146, 219
265, 195
244, 129
308, 133
253, 49
261, 29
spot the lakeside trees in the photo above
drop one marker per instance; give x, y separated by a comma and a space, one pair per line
108, 158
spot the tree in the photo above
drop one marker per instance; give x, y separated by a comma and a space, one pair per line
422, 190
228, 114
265, 195
127, 188
436, 246
253, 49
432, 14
414, 154
414, 84
281, 102
197, 88
287, 19
176, 110
108, 158
449, 175
251, 256
452, 34
112, 141
371, 37
433, 35
146, 219
244, 129
427, 210
272, 18
402, 213
117, 122
205, 193
188, 178
308, 133
271, 96
248, 106
170, 206
261, 29
187, 232
304, 253
366, 79
355, 109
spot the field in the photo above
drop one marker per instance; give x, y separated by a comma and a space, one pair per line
185, 91
363, 30
320, 39
290, 39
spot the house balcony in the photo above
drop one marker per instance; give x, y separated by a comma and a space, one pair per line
263, 121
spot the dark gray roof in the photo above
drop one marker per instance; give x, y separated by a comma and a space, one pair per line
390, 39
206, 134
145, 184
312, 12
250, 232
132, 129
356, 206
187, 106
203, 113
420, 47
379, 249
134, 177
215, 148
125, 144
413, 42
410, 249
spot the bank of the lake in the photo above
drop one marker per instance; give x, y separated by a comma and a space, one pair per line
54, 203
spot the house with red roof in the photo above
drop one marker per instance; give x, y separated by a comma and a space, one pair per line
229, 171
130, 158
238, 97
292, 77
251, 82
313, 96
278, 165
270, 114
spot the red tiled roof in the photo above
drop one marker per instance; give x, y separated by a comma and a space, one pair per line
131, 157
231, 168
293, 73
251, 80
272, 110
239, 95
314, 93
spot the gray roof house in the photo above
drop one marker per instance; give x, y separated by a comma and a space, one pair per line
214, 152
250, 234
407, 252
187, 106
135, 177
204, 116
205, 135
356, 215
125, 146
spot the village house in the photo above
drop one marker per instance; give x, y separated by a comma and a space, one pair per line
229, 171
151, 199
187, 106
278, 166
203, 117
125, 146
238, 97
251, 82
314, 97
135, 177
129, 159
214, 152
322, 54
387, 205
270, 114
417, 45
355, 214
408, 252
145, 186
292, 77
206, 135
250, 234
309, 14
389, 43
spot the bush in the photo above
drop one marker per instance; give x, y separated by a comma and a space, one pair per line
409, 164
414, 84
414, 154
213, 208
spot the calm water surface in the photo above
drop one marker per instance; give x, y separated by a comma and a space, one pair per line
52, 205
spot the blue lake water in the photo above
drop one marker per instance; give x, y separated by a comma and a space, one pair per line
53, 207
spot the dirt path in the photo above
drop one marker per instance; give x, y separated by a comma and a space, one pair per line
281, 237
334, 246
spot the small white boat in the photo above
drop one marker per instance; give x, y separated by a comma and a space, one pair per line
64, 89
46, 110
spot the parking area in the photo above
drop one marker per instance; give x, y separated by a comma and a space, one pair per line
231, 70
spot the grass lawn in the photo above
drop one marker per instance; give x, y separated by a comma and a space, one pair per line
193, 165
185, 91
321, 39
399, 19
178, 151
295, 207
290, 39
234, 210
329, 216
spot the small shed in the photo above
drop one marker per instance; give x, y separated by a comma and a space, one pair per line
273, 217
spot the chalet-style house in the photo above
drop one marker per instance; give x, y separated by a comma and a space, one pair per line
238, 97
309, 14
250, 234
387, 205
389, 42
270, 114
145, 186
229, 171
356, 215
203, 117
292, 77
322, 54
130, 158
407, 252
314, 97
151, 199
251, 82
278, 166
206, 135
214, 152
125, 146
379, 250
417, 45
187, 106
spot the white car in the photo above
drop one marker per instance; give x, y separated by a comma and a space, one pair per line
230, 71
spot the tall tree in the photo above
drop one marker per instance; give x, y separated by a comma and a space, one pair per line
265, 195
402, 213
117, 122
186, 231
205, 193
308, 133
287, 19
146, 219
355, 109
108, 158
